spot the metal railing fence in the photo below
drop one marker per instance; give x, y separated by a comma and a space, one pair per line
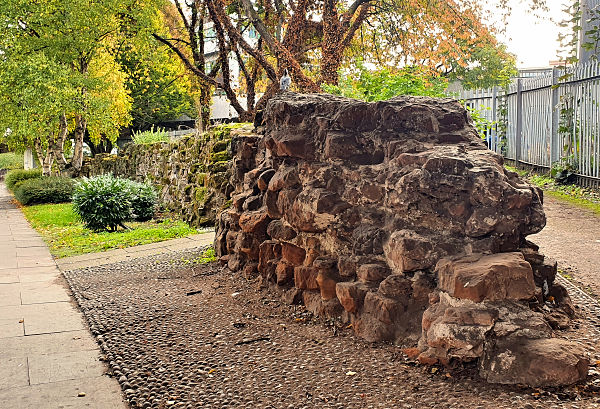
546, 120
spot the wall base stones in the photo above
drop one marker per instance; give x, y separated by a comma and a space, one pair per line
395, 215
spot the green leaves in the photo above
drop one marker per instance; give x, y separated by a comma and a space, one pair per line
105, 202
59, 58
102, 202
384, 83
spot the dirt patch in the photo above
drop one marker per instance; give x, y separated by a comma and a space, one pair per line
228, 344
572, 237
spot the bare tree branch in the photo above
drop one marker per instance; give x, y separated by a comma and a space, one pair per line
187, 62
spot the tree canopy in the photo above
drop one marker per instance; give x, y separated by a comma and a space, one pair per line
316, 40
88, 64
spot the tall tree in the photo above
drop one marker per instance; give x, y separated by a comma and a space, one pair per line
76, 35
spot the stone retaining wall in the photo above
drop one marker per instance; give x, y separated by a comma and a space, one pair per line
395, 216
191, 173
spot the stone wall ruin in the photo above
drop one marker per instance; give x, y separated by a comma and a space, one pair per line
395, 216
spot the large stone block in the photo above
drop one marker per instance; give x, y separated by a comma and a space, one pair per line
535, 362
502, 276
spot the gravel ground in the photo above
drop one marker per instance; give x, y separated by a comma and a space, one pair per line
181, 335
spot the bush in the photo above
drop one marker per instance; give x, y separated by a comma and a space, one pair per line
11, 160
15, 177
103, 202
106, 202
150, 136
143, 201
52, 189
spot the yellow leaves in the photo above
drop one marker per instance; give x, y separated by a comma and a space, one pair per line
109, 102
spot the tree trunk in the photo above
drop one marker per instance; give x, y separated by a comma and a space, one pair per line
80, 129
330, 65
59, 145
44, 159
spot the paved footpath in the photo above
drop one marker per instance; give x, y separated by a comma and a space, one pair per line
48, 358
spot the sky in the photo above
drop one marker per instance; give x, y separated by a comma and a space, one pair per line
534, 40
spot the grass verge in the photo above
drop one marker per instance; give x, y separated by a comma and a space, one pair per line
576, 195
65, 235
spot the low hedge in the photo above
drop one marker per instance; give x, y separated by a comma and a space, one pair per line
53, 189
15, 177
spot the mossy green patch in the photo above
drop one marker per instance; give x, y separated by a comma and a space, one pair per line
220, 156
220, 146
220, 166
201, 193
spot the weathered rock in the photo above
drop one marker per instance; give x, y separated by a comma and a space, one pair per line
361, 206
372, 272
459, 329
502, 276
305, 278
284, 272
293, 254
352, 295
534, 362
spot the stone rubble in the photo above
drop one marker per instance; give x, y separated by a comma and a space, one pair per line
395, 216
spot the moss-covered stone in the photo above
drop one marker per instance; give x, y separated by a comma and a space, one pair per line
220, 166
220, 146
201, 179
220, 156
201, 193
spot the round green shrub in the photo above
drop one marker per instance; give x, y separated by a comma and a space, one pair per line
15, 177
143, 201
53, 189
103, 202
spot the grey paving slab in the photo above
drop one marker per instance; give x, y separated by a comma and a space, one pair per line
98, 393
37, 270
31, 252
8, 263
11, 311
51, 317
37, 277
43, 292
29, 243
7, 250
11, 327
24, 262
13, 372
64, 366
9, 278
10, 294
55, 343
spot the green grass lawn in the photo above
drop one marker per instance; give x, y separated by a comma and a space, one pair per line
65, 235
